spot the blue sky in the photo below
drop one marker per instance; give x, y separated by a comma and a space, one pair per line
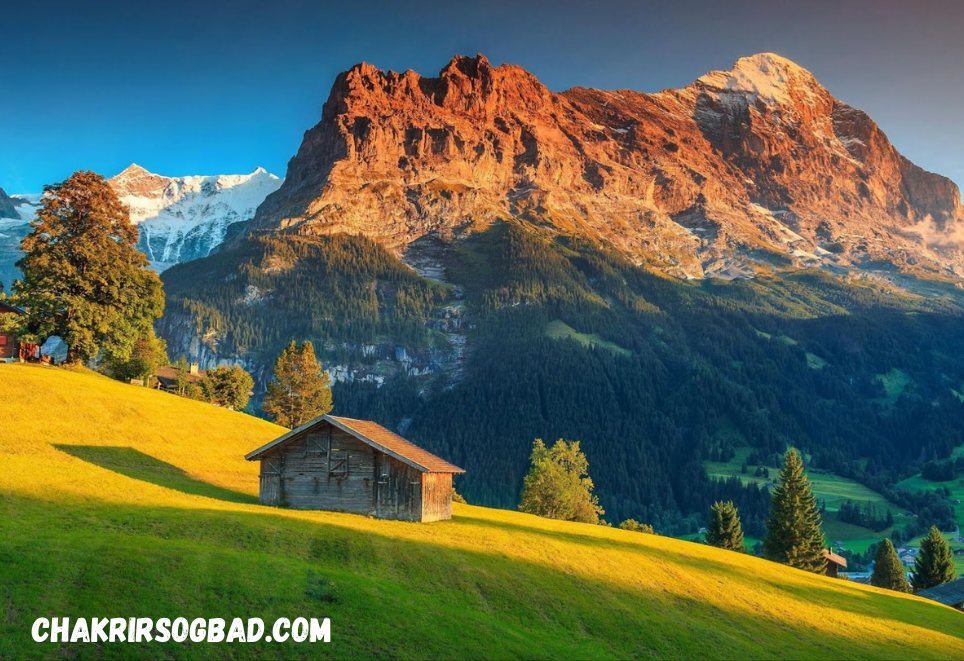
216, 87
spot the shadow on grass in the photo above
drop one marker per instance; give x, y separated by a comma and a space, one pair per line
139, 466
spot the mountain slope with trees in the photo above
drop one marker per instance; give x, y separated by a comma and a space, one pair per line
704, 365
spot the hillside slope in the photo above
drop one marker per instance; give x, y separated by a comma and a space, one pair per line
120, 501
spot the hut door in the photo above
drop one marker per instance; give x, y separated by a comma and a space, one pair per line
384, 501
271, 468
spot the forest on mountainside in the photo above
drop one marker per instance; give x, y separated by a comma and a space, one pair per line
655, 376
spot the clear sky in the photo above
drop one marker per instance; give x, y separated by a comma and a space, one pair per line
218, 87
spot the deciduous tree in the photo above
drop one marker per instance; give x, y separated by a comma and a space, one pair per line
145, 356
83, 277
635, 526
301, 390
229, 387
558, 485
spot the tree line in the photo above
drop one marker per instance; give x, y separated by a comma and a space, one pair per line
558, 486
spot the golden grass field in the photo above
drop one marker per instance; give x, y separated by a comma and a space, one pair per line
119, 501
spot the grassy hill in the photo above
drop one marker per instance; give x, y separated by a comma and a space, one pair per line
119, 501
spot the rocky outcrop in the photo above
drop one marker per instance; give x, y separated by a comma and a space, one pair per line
742, 169
8, 206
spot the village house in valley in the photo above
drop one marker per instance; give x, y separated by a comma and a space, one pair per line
167, 377
12, 351
357, 466
950, 594
9, 349
835, 563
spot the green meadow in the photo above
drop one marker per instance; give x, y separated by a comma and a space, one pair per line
118, 501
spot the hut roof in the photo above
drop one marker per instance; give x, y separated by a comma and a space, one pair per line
949, 594
374, 435
840, 561
6, 307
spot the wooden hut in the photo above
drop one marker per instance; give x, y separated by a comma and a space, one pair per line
950, 594
834, 563
167, 377
346, 465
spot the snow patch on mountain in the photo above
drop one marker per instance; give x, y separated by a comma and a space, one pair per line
179, 218
185, 218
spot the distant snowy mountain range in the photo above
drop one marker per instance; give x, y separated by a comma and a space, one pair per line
180, 218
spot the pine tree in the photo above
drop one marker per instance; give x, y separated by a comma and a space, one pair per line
793, 534
935, 562
725, 530
300, 391
83, 277
558, 484
888, 570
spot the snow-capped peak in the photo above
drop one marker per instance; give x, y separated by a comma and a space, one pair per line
183, 218
766, 76
180, 218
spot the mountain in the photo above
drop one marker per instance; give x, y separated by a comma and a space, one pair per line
121, 499
737, 266
184, 218
8, 206
745, 169
15, 215
179, 218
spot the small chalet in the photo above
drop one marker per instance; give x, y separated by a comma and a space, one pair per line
9, 348
950, 594
834, 563
167, 377
346, 465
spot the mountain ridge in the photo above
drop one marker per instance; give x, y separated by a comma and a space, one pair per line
179, 218
747, 169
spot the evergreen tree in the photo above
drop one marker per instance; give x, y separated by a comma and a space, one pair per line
558, 485
300, 391
935, 562
83, 277
725, 530
793, 528
229, 387
888, 570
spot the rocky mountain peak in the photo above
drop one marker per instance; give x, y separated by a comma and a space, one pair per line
135, 180
743, 169
8, 206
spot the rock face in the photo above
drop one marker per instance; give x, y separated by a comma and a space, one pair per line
184, 218
743, 169
8, 206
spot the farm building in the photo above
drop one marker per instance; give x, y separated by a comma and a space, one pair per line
12, 351
9, 348
346, 465
167, 377
834, 563
950, 594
